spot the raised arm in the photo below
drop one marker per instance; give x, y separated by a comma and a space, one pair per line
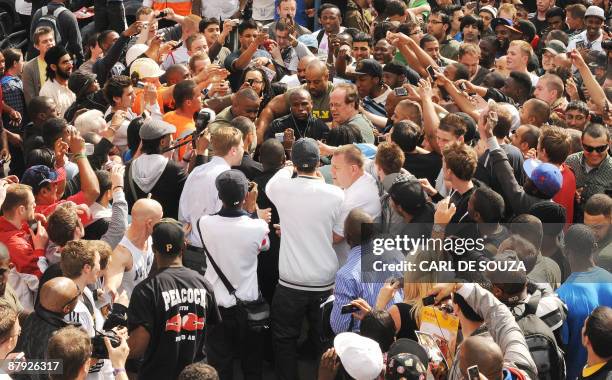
431, 121
276, 108
597, 94
245, 58
89, 182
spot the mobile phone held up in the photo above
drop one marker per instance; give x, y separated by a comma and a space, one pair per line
473, 373
433, 72
400, 91
348, 309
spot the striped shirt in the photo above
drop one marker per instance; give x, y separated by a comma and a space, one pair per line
349, 286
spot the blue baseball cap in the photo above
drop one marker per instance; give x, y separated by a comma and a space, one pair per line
546, 177
38, 176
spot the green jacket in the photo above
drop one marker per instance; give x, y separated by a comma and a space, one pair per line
357, 18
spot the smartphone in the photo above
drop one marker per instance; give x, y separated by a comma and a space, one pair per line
579, 44
463, 86
432, 71
178, 45
473, 373
89, 149
348, 309
429, 300
381, 139
34, 226
161, 14
400, 91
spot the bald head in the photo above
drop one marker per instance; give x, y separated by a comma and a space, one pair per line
302, 64
357, 227
145, 209
245, 94
318, 68
483, 352
56, 295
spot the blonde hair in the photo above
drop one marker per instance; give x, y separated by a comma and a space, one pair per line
351, 154
224, 139
414, 292
524, 47
507, 7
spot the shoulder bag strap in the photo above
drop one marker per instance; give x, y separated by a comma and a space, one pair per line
131, 182
224, 279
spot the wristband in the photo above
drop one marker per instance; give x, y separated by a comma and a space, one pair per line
79, 155
117, 371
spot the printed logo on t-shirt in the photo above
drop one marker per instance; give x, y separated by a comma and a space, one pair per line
181, 321
320, 114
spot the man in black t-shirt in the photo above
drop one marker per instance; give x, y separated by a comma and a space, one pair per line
169, 311
300, 118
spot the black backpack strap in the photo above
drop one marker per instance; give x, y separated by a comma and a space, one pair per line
320, 36
224, 279
532, 306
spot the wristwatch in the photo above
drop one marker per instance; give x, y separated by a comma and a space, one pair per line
439, 228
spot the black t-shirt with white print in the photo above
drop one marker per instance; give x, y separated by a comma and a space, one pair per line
174, 306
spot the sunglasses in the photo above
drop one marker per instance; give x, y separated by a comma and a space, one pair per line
598, 149
75, 297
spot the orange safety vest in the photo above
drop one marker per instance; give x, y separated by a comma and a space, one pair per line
180, 7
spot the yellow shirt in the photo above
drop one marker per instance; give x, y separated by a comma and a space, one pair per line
42, 70
588, 371
184, 126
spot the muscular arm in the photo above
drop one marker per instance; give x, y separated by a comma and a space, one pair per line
138, 342
121, 262
89, 181
276, 108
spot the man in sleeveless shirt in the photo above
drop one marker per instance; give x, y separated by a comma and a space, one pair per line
133, 257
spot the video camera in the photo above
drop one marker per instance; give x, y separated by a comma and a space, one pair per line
98, 348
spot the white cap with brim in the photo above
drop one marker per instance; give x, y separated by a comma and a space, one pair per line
595, 11
134, 52
146, 68
361, 357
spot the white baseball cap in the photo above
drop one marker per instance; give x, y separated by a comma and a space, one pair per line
146, 68
134, 52
490, 9
361, 357
595, 11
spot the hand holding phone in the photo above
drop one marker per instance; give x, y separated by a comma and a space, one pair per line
348, 309
473, 373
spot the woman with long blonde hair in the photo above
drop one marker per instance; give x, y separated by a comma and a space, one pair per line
407, 314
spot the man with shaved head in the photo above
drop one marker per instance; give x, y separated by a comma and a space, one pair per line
133, 257
300, 118
244, 103
58, 297
483, 352
316, 83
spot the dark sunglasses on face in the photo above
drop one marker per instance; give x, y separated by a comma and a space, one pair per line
598, 149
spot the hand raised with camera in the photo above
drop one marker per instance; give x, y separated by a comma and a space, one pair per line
117, 172
387, 292
444, 211
250, 202
133, 29
363, 306
118, 355
77, 144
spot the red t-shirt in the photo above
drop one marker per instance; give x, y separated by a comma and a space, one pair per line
565, 196
78, 198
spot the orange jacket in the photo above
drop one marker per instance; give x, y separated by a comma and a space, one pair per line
180, 7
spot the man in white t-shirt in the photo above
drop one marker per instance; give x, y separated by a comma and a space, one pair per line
81, 263
59, 68
519, 53
360, 191
234, 239
308, 210
200, 196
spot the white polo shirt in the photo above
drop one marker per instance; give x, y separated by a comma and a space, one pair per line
200, 196
362, 194
234, 243
308, 209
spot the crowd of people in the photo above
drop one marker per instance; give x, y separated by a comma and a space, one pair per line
201, 188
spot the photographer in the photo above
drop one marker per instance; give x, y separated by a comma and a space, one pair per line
73, 348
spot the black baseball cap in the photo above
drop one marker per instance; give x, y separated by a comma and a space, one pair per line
168, 237
232, 186
408, 193
409, 346
305, 154
369, 67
